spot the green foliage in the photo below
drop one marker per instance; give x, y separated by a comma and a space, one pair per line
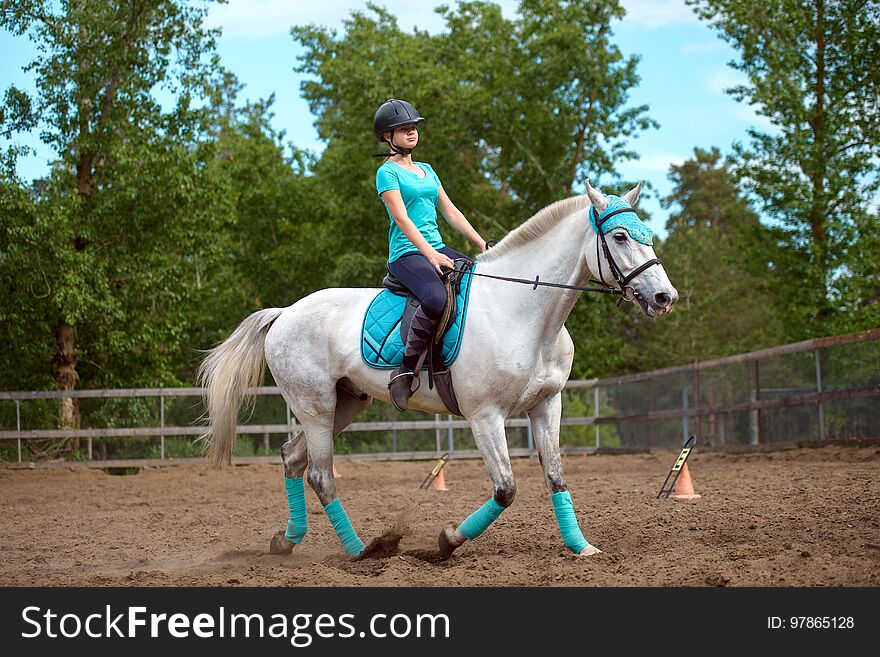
518, 110
26, 229
721, 260
111, 243
814, 70
275, 248
159, 229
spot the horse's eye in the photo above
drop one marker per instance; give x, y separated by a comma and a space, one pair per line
620, 237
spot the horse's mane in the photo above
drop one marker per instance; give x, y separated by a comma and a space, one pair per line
535, 226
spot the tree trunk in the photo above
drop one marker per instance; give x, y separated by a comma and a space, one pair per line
818, 209
64, 370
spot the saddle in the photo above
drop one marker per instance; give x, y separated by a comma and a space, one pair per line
438, 371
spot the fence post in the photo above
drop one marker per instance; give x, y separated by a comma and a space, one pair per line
755, 414
287, 406
449, 437
685, 420
162, 426
18, 425
530, 439
650, 412
697, 403
596, 413
819, 389
437, 432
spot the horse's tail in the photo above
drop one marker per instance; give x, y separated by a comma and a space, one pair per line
226, 374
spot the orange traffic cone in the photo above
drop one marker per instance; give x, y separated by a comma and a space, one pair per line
439, 482
684, 487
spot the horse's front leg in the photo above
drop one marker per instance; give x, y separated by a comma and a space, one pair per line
488, 430
545, 418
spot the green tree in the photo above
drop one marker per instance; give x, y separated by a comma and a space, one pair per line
519, 112
118, 233
274, 252
722, 259
813, 69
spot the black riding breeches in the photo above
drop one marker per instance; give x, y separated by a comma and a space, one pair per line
420, 278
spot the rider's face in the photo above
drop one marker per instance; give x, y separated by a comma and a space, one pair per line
406, 136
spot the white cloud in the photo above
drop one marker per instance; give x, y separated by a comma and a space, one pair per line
725, 78
261, 18
707, 46
653, 162
747, 114
658, 13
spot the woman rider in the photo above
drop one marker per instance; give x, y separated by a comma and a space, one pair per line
411, 192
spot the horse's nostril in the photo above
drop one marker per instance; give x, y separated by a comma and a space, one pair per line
662, 299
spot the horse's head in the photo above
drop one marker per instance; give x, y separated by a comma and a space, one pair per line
621, 253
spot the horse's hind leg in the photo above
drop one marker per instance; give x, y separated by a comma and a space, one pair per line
488, 431
349, 404
545, 418
295, 457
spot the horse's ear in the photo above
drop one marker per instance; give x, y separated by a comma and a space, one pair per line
632, 196
597, 198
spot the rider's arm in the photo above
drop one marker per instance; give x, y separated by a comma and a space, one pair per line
457, 220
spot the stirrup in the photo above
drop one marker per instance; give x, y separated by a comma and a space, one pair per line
409, 388
412, 374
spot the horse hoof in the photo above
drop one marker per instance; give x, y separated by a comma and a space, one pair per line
589, 550
280, 545
449, 540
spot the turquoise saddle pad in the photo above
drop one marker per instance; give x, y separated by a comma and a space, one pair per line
381, 344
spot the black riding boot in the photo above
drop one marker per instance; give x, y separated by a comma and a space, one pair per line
404, 381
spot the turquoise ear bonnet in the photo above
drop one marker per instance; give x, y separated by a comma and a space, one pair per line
629, 221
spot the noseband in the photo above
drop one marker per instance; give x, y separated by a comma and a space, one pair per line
622, 281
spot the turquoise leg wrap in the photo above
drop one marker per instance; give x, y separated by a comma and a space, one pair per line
476, 523
568, 525
298, 524
342, 526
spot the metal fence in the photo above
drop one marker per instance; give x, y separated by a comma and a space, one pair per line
815, 390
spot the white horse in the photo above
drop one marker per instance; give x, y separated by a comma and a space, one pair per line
515, 357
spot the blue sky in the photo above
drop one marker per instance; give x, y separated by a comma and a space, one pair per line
683, 73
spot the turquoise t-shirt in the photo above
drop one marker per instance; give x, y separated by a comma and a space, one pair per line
420, 198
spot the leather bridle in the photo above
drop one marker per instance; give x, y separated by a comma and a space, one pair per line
626, 290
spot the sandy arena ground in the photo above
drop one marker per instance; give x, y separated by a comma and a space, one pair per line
799, 517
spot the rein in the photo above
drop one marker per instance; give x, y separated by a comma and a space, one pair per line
535, 283
625, 290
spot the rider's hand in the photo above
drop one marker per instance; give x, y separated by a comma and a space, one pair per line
438, 260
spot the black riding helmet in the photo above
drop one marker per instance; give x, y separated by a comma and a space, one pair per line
393, 114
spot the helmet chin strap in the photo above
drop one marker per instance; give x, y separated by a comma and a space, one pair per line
395, 150
398, 150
